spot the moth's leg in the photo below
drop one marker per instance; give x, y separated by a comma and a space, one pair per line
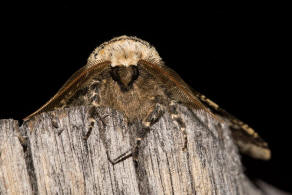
91, 118
93, 101
182, 126
152, 117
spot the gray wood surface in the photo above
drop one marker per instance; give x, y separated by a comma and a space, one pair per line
57, 160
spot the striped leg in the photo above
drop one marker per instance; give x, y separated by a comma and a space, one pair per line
152, 117
175, 116
93, 115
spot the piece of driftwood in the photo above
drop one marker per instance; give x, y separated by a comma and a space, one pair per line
56, 158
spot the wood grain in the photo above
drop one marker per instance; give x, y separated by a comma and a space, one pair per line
57, 160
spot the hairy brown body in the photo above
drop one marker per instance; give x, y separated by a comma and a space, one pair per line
136, 101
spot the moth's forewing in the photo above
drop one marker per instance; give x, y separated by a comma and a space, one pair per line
176, 87
248, 141
72, 85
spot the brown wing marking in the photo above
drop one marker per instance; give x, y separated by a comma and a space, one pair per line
70, 87
180, 90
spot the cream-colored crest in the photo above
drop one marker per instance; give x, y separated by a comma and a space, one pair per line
124, 51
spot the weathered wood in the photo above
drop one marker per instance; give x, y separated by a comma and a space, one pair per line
14, 177
59, 161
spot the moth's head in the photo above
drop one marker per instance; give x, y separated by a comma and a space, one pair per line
124, 51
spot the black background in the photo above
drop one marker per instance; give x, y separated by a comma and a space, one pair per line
235, 55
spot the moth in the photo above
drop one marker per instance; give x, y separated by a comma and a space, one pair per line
127, 74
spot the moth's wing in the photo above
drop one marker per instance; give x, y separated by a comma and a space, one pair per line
69, 89
176, 87
248, 141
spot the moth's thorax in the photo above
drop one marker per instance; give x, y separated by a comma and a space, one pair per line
124, 51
